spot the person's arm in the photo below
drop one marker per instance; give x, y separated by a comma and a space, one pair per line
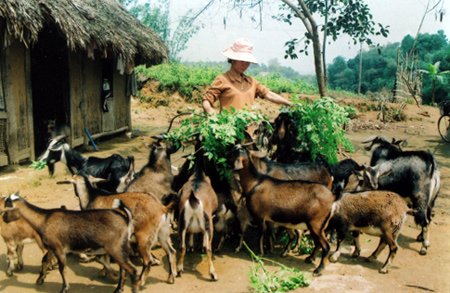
208, 107
277, 99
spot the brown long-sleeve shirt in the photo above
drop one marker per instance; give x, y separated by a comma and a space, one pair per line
234, 89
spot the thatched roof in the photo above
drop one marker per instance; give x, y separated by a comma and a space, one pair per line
83, 22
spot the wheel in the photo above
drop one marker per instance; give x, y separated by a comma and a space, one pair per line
444, 127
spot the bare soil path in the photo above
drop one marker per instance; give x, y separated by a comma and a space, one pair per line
410, 271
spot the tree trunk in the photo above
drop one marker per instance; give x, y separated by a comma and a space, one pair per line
318, 64
432, 91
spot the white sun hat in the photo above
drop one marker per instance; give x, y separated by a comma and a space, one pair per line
241, 50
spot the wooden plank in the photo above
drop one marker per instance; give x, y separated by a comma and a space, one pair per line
76, 98
3, 160
10, 104
92, 82
123, 129
29, 103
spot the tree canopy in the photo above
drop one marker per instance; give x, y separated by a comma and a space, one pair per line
379, 69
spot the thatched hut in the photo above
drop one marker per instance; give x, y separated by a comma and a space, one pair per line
67, 64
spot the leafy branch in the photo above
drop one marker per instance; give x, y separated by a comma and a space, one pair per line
320, 127
38, 165
282, 280
218, 133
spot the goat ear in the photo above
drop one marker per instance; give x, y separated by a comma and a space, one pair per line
386, 173
369, 139
384, 138
67, 181
94, 180
258, 155
238, 164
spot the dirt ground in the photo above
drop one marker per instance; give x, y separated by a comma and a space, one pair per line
410, 272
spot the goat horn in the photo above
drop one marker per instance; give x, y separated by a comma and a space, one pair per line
59, 137
182, 114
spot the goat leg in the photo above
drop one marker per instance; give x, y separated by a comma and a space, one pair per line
11, 247
164, 240
19, 252
46, 260
207, 240
356, 242
180, 265
62, 270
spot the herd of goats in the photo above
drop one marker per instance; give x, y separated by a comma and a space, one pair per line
123, 212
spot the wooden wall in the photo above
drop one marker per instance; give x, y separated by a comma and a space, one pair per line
17, 94
85, 82
77, 100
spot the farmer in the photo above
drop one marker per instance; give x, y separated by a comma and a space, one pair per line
234, 88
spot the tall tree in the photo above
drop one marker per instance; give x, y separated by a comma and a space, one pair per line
348, 17
157, 17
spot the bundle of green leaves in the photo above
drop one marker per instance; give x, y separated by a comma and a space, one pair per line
38, 165
218, 134
319, 127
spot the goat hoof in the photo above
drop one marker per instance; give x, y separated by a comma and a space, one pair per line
309, 260
383, 271
114, 277
103, 273
40, 281
334, 258
423, 251
237, 250
371, 258
9, 273
19, 266
317, 273
171, 280
214, 277
179, 273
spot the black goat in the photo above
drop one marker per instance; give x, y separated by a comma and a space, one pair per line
414, 175
118, 170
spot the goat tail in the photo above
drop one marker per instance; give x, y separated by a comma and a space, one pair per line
171, 201
118, 204
334, 207
419, 216
193, 201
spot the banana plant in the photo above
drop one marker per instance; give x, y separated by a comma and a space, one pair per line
433, 72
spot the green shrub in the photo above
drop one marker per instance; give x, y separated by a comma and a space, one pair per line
320, 127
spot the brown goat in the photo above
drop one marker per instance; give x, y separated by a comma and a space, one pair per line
151, 221
292, 204
16, 234
62, 231
156, 176
379, 213
304, 171
198, 202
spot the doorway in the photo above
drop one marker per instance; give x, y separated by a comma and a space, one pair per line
50, 87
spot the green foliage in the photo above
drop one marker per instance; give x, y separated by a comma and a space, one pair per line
219, 133
306, 247
352, 18
279, 84
282, 280
379, 69
320, 127
38, 165
188, 79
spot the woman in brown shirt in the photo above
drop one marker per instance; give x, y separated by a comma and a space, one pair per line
234, 88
